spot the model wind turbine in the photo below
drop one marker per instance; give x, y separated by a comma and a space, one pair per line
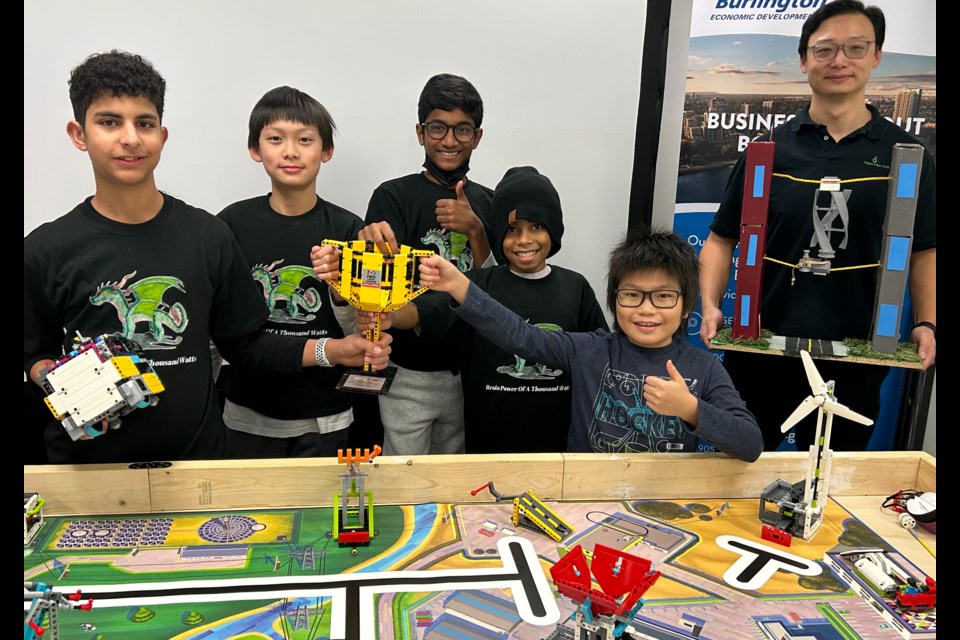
786, 496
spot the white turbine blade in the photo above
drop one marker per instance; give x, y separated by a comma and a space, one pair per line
817, 386
809, 404
846, 412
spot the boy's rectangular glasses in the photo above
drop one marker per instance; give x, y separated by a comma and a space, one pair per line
438, 130
661, 298
854, 50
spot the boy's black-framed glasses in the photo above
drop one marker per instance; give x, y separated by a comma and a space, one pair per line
437, 130
660, 298
853, 50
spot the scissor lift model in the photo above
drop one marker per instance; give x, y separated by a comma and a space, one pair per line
531, 513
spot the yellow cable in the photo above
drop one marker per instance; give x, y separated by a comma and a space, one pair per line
859, 266
921, 541
818, 181
786, 264
794, 267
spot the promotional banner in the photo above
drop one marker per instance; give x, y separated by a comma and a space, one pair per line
743, 78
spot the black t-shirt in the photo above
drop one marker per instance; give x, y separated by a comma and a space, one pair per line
170, 284
409, 205
277, 251
512, 405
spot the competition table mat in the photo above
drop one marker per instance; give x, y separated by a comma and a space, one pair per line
242, 549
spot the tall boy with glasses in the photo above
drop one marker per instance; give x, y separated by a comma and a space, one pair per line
837, 135
442, 210
642, 388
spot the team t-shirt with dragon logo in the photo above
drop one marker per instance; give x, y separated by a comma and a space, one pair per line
409, 205
170, 285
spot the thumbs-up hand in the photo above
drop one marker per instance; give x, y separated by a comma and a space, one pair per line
456, 214
670, 396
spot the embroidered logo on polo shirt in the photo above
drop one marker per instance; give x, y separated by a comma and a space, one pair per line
875, 162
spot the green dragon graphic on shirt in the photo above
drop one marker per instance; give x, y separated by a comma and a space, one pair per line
142, 301
538, 371
452, 246
284, 284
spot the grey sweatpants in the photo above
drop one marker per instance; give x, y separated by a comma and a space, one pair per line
422, 413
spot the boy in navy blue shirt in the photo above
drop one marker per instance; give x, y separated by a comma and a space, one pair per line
643, 388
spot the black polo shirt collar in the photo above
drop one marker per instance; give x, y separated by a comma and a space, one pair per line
873, 130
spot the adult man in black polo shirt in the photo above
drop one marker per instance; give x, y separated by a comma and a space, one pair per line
837, 134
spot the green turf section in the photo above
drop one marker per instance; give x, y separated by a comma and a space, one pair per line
114, 623
723, 337
309, 531
906, 351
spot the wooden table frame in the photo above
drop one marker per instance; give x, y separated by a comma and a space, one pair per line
860, 481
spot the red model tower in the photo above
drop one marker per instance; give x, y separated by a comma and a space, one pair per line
753, 239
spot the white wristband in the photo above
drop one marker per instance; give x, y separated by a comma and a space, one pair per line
321, 353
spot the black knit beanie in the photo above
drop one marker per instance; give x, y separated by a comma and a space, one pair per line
534, 198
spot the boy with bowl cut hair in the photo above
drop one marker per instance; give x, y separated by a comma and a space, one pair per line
166, 275
292, 105
642, 388
270, 414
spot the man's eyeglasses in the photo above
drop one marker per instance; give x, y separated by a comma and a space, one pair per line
438, 130
661, 298
854, 50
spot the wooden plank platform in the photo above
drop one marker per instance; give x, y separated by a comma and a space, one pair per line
244, 484
779, 352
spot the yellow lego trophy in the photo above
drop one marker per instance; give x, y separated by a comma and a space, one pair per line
378, 282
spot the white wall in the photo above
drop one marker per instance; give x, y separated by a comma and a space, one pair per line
560, 82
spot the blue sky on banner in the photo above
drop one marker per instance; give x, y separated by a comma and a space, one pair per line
738, 46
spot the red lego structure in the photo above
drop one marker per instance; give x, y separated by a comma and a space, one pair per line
623, 579
772, 534
917, 597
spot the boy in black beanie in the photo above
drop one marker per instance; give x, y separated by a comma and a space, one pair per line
512, 405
